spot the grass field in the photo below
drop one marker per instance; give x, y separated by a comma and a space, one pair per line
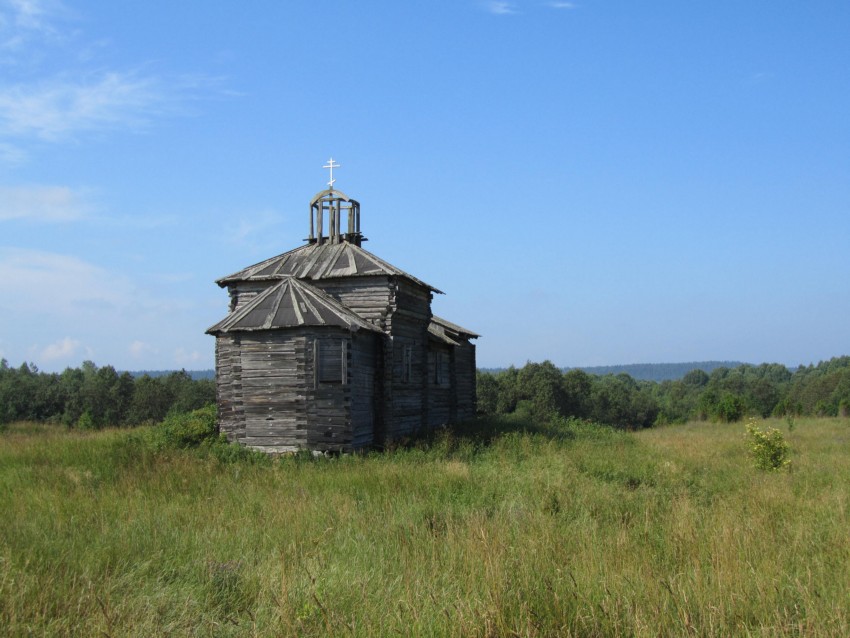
571, 530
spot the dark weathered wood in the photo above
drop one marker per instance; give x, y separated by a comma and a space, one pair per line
399, 368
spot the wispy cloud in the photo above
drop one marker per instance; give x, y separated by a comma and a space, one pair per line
57, 109
52, 284
563, 5
66, 288
11, 155
500, 7
258, 231
24, 20
82, 97
63, 299
42, 203
183, 357
62, 349
760, 77
139, 349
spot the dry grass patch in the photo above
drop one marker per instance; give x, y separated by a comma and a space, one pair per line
497, 532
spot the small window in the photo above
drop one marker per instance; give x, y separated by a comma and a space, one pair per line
440, 368
330, 361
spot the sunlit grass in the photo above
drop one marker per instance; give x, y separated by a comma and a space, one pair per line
498, 532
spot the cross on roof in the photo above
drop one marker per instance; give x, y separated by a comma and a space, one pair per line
331, 165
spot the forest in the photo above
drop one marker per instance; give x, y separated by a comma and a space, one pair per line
92, 397
540, 391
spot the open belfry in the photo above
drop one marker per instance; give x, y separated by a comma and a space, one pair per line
330, 348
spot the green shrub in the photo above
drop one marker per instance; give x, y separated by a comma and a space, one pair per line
226, 452
197, 429
730, 408
768, 448
85, 422
189, 429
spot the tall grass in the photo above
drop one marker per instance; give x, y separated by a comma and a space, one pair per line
502, 529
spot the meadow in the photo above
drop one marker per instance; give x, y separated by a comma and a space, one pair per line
499, 528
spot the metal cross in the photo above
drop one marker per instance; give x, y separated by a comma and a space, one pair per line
331, 166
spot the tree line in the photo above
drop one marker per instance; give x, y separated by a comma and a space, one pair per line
541, 391
93, 397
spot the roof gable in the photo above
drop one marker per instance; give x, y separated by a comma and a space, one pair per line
290, 304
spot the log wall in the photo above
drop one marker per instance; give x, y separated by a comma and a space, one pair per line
228, 379
369, 297
273, 365
363, 372
244, 291
269, 395
406, 375
441, 389
464, 384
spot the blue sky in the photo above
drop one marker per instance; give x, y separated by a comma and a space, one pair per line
591, 182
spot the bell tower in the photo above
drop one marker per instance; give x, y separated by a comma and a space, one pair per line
333, 204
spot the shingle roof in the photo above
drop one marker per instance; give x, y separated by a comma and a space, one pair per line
449, 332
288, 304
327, 261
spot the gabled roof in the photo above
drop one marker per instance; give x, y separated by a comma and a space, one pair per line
449, 332
288, 304
327, 261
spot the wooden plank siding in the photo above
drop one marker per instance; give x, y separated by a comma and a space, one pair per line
273, 367
362, 371
464, 384
229, 387
369, 297
269, 396
441, 390
406, 403
400, 369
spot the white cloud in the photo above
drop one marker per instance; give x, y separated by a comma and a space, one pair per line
57, 106
42, 293
11, 155
42, 203
62, 349
183, 358
55, 284
21, 20
500, 7
140, 348
258, 231
57, 109
563, 5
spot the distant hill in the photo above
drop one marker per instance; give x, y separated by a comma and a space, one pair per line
637, 371
649, 371
660, 371
194, 374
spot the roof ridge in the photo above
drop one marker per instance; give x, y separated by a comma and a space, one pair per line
320, 261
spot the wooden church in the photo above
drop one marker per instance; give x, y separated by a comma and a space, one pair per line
330, 348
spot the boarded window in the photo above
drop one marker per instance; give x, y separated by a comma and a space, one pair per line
330, 361
406, 363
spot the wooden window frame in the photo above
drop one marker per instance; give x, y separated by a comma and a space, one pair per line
320, 378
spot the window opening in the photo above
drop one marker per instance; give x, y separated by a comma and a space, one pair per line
331, 360
406, 363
